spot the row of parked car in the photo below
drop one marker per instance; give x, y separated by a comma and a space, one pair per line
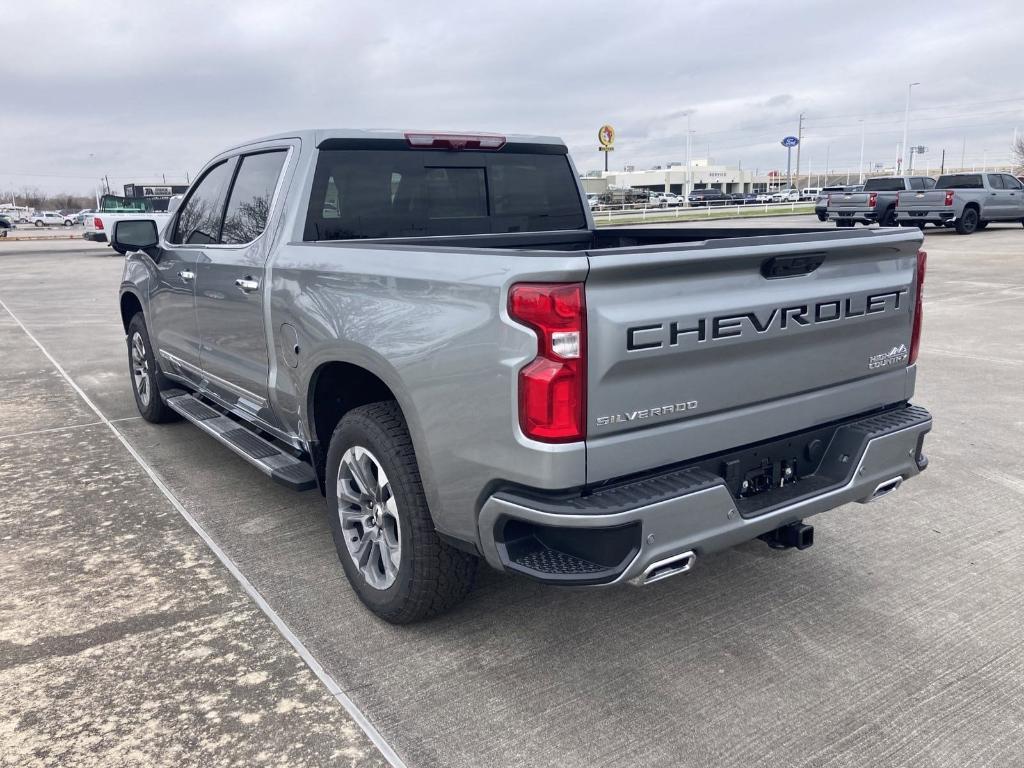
41, 219
965, 202
711, 196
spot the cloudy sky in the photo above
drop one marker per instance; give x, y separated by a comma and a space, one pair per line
136, 90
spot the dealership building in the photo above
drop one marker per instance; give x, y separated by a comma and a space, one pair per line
673, 178
704, 174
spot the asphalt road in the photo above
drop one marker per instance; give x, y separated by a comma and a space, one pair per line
896, 640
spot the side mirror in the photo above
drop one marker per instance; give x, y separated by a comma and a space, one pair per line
134, 235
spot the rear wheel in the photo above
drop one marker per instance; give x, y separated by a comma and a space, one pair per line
822, 217
68, 222
968, 222
147, 381
394, 559
39, 223
888, 218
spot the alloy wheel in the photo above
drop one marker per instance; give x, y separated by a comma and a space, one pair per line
368, 512
140, 368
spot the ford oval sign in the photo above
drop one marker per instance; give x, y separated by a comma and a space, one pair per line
790, 141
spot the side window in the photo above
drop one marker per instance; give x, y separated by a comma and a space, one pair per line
253, 191
1010, 183
200, 218
995, 181
916, 183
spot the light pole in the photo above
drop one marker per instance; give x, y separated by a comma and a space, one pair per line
906, 127
686, 183
860, 177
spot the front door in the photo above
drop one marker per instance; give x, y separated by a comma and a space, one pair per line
173, 324
229, 289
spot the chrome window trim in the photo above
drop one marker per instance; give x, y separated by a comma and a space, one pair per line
289, 150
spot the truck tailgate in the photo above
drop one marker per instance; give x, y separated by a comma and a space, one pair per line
698, 348
922, 200
842, 201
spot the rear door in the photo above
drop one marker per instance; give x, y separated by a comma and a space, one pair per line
996, 200
229, 276
717, 344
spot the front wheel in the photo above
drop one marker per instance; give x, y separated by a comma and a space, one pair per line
968, 222
68, 223
39, 223
394, 559
822, 217
147, 381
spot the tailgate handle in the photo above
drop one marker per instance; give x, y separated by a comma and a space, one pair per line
791, 266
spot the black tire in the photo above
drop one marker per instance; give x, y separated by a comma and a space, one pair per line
431, 576
39, 223
822, 217
981, 225
968, 222
888, 217
68, 223
151, 406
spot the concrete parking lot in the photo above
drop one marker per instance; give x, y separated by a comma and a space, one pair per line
124, 639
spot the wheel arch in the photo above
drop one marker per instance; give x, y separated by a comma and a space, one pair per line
130, 305
336, 387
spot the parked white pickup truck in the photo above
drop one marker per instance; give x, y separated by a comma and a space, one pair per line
100, 226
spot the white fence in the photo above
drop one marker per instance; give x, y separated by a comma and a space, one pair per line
606, 213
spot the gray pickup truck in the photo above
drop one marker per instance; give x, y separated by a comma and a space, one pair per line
964, 201
429, 329
876, 203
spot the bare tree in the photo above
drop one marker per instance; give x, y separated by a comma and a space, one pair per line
1018, 153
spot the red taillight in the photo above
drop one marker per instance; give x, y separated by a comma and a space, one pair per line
97, 222
872, 199
455, 140
553, 387
915, 336
949, 197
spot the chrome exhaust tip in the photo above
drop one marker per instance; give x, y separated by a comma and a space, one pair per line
884, 488
663, 569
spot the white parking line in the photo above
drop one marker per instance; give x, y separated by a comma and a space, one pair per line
66, 427
354, 712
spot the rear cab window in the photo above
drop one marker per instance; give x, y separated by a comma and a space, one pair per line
385, 189
884, 185
960, 181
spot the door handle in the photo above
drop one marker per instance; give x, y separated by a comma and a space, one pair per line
186, 275
247, 284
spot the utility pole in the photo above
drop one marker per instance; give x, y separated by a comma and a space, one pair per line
860, 178
686, 188
963, 153
906, 127
828, 151
800, 137
942, 163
